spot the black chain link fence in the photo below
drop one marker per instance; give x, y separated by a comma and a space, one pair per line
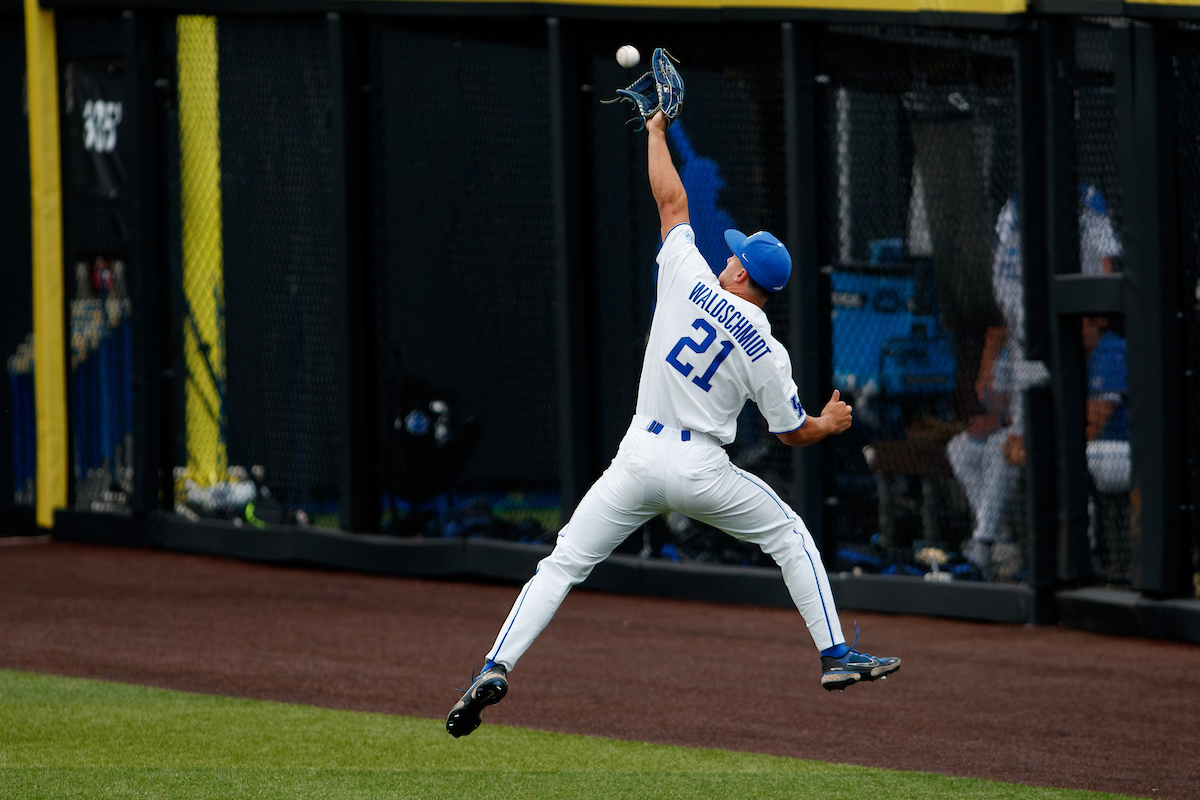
97, 241
917, 180
466, 283
255, 340
17, 432
1098, 183
918, 226
280, 335
1187, 98
1095, 157
1108, 452
729, 148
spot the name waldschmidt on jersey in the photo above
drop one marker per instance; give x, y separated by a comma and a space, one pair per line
720, 309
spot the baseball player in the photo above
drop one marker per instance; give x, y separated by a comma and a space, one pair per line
710, 349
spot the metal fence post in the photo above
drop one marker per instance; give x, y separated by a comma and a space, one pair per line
359, 469
1147, 114
573, 418
145, 255
1040, 484
1062, 253
804, 303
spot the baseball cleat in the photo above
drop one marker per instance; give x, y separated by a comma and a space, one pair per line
486, 690
838, 673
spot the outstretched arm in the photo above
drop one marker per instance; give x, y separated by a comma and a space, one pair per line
665, 184
835, 418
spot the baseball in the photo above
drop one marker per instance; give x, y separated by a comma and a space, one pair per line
628, 56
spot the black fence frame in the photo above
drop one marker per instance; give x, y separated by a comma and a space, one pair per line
21, 518
1055, 472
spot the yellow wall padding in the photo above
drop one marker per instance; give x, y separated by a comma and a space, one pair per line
45, 178
203, 267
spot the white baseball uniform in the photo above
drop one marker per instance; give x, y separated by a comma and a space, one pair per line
980, 465
709, 351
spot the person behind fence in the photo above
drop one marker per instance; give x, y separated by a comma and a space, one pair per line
983, 457
710, 350
1107, 414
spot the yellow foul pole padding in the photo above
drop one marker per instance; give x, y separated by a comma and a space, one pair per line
203, 267
45, 180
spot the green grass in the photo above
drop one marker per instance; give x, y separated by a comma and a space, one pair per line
68, 737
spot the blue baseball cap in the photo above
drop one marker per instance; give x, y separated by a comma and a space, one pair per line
763, 256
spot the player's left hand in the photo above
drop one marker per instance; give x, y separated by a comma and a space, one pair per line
658, 122
837, 413
659, 91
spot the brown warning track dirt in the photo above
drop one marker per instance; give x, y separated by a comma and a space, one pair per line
1043, 706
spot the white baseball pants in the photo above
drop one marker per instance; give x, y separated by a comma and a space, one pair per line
652, 474
1109, 462
986, 477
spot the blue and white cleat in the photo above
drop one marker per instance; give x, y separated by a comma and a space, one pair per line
838, 673
486, 690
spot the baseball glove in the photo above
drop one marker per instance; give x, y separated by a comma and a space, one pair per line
670, 83
660, 89
642, 94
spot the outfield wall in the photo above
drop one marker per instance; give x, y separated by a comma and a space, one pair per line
387, 269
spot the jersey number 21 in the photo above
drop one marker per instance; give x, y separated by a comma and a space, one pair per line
710, 335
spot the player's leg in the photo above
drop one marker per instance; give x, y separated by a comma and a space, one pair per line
988, 482
965, 455
627, 495
974, 463
618, 503
743, 505
998, 478
595, 530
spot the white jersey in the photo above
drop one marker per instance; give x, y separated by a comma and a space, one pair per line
710, 351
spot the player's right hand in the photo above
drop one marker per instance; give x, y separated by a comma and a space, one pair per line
837, 413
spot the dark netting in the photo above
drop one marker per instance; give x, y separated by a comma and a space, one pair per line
729, 148
255, 288
465, 250
1095, 159
1107, 421
1187, 97
97, 222
918, 225
17, 433
1097, 179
